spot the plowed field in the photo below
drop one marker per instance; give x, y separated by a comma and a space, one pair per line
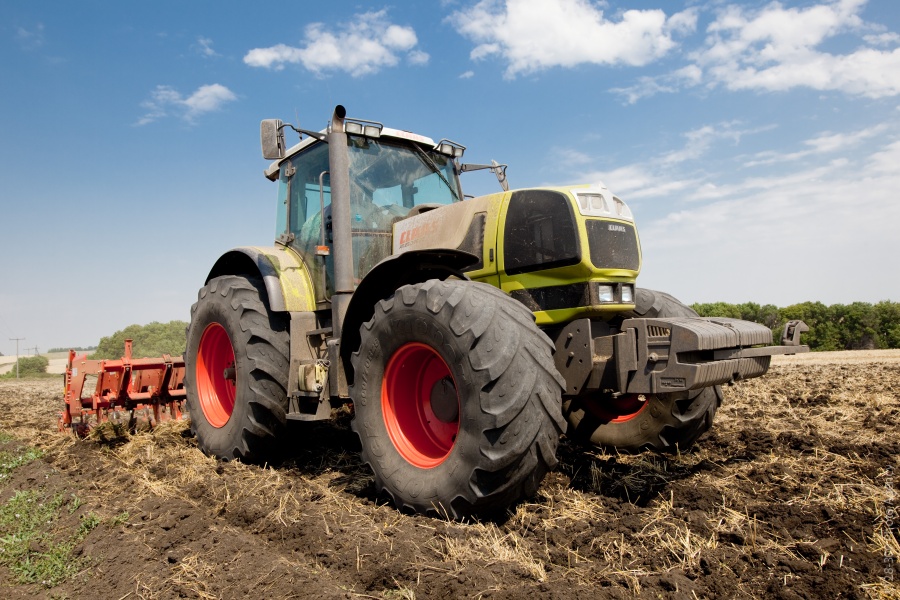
791, 495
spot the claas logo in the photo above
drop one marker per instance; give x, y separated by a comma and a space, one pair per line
408, 237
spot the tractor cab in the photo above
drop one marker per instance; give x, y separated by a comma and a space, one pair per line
392, 174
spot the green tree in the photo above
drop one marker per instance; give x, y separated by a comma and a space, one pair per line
154, 339
859, 326
718, 309
824, 332
888, 323
855, 326
28, 367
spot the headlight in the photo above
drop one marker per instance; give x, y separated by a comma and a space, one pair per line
627, 294
606, 293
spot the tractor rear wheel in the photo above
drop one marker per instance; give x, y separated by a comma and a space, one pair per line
632, 423
236, 369
456, 399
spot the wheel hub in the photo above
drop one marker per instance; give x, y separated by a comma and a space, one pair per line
444, 401
420, 403
216, 376
621, 408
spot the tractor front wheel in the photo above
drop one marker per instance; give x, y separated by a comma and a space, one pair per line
632, 423
456, 399
236, 369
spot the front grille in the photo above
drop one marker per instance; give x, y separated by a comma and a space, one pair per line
574, 295
554, 297
614, 245
539, 232
658, 331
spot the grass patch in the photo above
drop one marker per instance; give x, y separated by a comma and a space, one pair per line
11, 376
5, 437
27, 544
10, 460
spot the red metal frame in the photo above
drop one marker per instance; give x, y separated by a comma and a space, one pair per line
150, 389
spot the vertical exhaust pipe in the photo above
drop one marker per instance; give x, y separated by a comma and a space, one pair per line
339, 165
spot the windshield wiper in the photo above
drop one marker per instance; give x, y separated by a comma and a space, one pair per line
429, 162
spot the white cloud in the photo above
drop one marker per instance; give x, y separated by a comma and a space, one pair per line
30, 39
364, 46
813, 234
810, 230
882, 39
684, 77
700, 140
467, 75
204, 47
166, 101
417, 57
666, 174
273, 57
774, 49
822, 144
532, 35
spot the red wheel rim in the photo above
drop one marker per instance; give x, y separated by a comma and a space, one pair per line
622, 408
420, 403
215, 375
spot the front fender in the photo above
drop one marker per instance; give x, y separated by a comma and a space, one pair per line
287, 280
414, 266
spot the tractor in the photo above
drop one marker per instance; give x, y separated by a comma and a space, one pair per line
467, 334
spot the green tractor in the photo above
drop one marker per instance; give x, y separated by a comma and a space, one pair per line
467, 333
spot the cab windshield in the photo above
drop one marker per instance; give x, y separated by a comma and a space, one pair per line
403, 176
388, 179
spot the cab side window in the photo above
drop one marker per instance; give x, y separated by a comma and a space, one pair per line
298, 202
299, 178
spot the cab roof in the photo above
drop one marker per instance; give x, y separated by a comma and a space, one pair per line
272, 171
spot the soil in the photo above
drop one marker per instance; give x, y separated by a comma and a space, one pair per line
790, 495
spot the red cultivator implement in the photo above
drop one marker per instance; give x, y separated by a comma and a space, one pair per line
129, 391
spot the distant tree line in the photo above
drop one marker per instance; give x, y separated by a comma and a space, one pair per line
154, 339
856, 326
75, 348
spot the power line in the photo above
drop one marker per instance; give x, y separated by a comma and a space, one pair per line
17, 340
6, 327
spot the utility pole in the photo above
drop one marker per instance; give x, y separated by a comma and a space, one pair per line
17, 340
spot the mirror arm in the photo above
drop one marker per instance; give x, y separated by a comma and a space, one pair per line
301, 132
497, 169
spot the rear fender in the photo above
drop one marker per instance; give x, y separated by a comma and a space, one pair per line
287, 280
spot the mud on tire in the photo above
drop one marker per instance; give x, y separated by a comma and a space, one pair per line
661, 422
237, 360
456, 399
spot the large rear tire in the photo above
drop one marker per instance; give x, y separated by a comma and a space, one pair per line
632, 423
456, 399
236, 369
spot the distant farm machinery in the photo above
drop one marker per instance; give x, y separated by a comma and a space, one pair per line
134, 392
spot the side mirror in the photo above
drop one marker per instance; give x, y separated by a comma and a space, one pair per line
500, 172
271, 138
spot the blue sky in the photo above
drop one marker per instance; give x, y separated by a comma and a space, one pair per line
757, 143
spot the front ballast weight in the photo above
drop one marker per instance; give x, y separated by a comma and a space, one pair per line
672, 354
